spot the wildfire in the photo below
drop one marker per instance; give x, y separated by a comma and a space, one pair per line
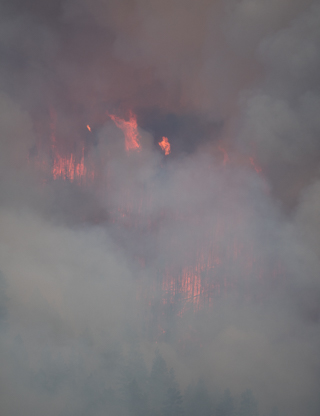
204, 269
67, 168
130, 130
255, 166
225, 154
165, 146
62, 164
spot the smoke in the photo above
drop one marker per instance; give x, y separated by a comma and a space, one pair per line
281, 121
209, 254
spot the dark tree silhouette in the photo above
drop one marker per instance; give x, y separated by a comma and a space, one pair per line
173, 403
197, 400
136, 400
248, 405
159, 381
226, 406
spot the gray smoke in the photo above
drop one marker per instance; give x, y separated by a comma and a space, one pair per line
82, 267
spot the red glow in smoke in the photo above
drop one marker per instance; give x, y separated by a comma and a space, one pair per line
202, 272
130, 130
165, 146
62, 164
255, 166
225, 154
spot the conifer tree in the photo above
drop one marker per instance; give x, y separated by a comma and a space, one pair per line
248, 405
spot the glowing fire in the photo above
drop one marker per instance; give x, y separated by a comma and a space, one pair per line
225, 154
59, 163
255, 166
207, 270
206, 267
67, 168
130, 130
165, 145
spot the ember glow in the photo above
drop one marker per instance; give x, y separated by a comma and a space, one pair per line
199, 276
130, 130
159, 190
256, 167
72, 169
55, 162
225, 154
165, 145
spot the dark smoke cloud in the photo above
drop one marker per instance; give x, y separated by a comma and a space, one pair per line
236, 78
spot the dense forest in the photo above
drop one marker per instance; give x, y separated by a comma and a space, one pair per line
139, 392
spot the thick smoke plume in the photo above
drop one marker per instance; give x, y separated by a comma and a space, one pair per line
117, 265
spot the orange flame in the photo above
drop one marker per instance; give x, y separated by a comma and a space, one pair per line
66, 168
130, 130
63, 168
165, 145
71, 167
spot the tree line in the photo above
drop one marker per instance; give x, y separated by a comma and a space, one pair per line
138, 392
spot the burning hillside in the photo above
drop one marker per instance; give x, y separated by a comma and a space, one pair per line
190, 278
159, 196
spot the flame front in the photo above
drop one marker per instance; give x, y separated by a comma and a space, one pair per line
205, 268
130, 130
66, 168
72, 165
165, 145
